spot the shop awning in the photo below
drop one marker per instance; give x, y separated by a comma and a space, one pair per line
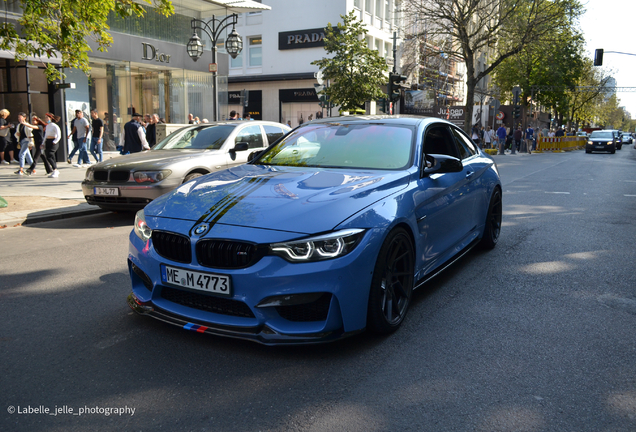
4, 54
221, 7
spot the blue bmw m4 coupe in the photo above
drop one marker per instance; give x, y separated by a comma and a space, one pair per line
322, 235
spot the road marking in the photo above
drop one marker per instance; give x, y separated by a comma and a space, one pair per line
562, 193
629, 181
630, 195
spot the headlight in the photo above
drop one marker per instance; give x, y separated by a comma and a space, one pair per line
150, 176
90, 175
610, 142
319, 248
142, 230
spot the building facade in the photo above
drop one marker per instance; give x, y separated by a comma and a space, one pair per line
279, 45
147, 68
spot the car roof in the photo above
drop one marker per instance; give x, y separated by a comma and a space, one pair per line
406, 120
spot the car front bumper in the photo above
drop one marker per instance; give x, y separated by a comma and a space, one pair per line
129, 196
343, 285
600, 147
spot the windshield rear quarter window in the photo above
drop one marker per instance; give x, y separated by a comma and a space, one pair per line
200, 138
335, 145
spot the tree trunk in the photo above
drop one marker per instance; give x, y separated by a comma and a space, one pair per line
470, 100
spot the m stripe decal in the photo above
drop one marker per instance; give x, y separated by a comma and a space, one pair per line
216, 212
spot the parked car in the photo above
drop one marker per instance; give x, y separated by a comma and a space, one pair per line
322, 235
603, 140
130, 182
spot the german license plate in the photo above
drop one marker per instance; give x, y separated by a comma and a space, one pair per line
599, 147
110, 191
209, 282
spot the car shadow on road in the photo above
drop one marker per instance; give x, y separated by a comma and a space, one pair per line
99, 220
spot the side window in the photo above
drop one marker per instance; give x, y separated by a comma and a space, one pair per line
251, 135
438, 140
465, 144
273, 133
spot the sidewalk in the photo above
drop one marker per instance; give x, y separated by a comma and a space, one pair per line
38, 198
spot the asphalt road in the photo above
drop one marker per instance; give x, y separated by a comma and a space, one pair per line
536, 335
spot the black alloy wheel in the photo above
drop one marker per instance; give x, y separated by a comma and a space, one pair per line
392, 283
493, 221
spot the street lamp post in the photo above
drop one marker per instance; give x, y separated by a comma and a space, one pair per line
213, 28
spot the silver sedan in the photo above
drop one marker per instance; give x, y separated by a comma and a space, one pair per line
131, 181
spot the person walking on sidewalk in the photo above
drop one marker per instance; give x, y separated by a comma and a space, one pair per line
52, 136
37, 129
487, 138
5, 131
134, 139
98, 135
529, 139
74, 139
81, 128
518, 135
476, 136
23, 134
501, 136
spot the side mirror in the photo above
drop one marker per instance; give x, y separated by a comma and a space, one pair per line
242, 146
253, 156
438, 164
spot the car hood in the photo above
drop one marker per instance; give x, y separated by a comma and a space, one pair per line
153, 159
302, 200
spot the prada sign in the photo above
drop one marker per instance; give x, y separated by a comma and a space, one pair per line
149, 52
298, 95
298, 39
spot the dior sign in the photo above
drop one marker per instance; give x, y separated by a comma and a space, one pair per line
149, 52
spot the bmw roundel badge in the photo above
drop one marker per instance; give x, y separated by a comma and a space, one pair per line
201, 229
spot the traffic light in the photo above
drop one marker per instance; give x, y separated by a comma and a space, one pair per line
324, 101
395, 84
516, 111
598, 57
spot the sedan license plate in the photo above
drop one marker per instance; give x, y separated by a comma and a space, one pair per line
209, 282
599, 147
110, 191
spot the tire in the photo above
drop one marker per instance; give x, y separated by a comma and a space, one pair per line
620, 147
392, 283
492, 228
191, 176
588, 151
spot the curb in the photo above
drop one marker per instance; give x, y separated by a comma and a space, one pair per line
48, 215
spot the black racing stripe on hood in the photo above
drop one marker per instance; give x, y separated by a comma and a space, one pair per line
217, 211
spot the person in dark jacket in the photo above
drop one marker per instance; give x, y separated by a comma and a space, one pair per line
134, 139
151, 130
517, 136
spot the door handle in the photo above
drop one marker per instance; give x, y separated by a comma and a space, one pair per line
469, 174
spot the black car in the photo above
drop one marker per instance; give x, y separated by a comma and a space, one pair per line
603, 140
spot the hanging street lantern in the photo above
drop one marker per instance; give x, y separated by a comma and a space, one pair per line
234, 44
195, 47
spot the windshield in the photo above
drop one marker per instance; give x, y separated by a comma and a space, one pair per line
196, 138
601, 135
336, 145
